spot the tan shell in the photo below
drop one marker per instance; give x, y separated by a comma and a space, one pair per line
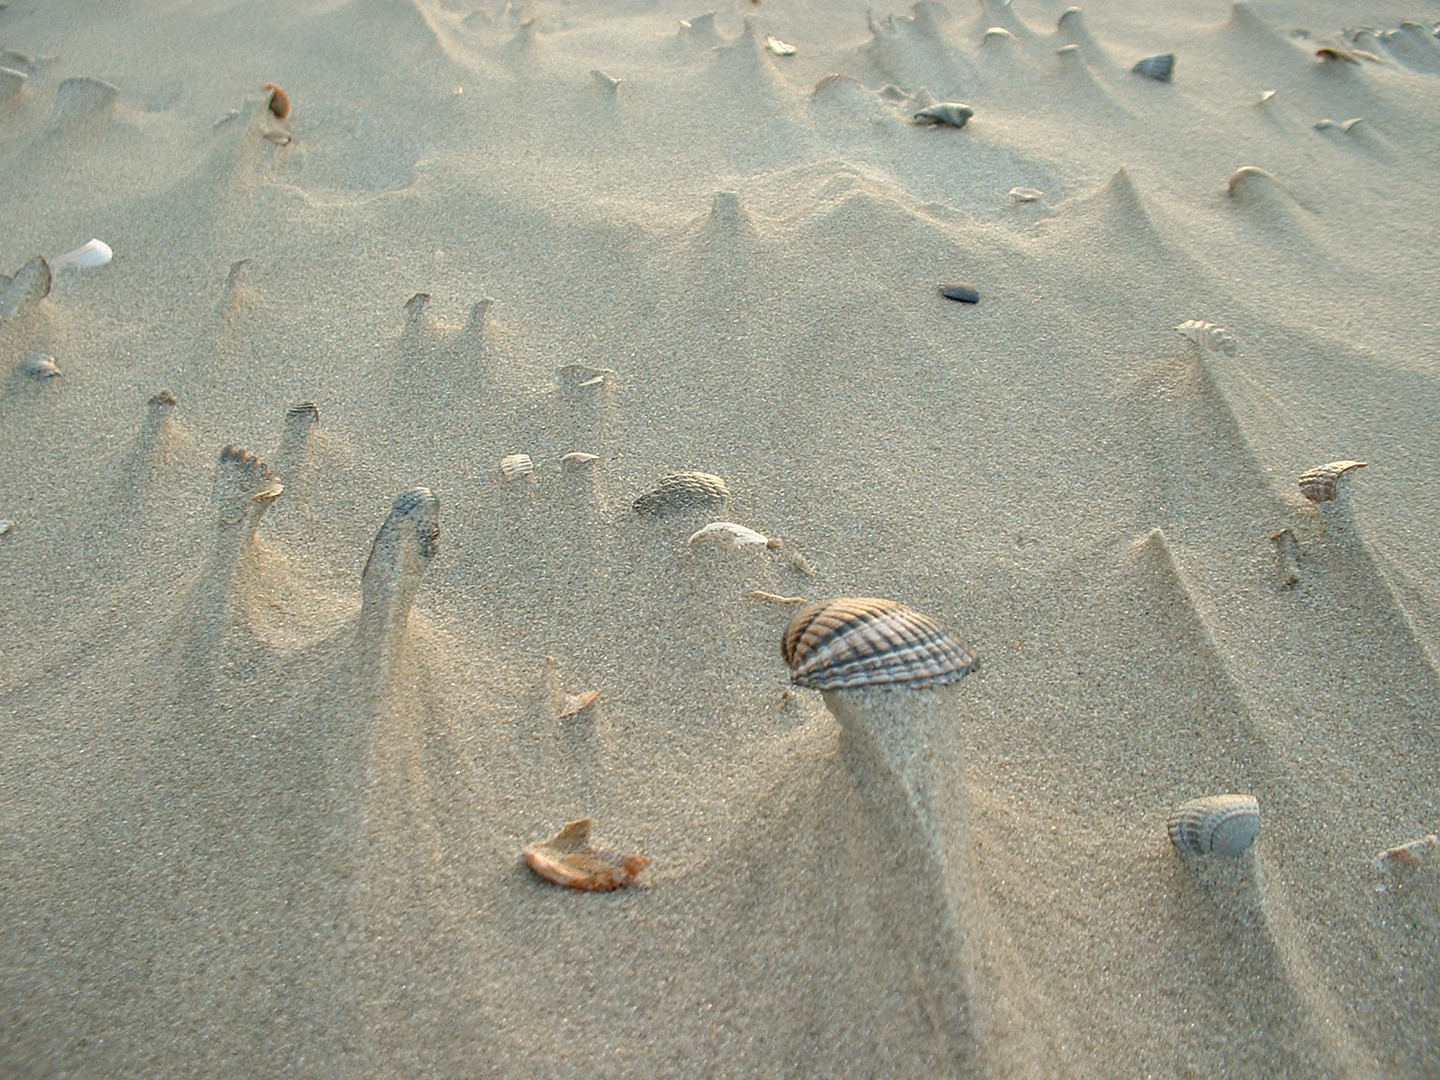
578, 460
683, 491
568, 859
1415, 853
1319, 484
863, 641
1215, 824
575, 704
1209, 336
516, 467
728, 534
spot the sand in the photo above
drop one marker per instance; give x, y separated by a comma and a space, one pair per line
268, 764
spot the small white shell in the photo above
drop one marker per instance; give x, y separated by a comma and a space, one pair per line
604, 81
1215, 824
40, 366
577, 460
583, 376
6, 525
1342, 125
88, 256
1026, 194
778, 47
728, 534
1209, 336
516, 466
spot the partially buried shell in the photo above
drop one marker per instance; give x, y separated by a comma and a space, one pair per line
89, 255
568, 859
1215, 824
862, 641
1209, 336
1319, 484
30, 284
578, 460
728, 534
1160, 68
516, 467
40, 366
681, 491
947, 113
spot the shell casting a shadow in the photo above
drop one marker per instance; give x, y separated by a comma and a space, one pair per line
1320, 483
683, 491
1216, 824
568, 859
863, 641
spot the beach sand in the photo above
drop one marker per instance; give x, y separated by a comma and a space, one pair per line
268, 764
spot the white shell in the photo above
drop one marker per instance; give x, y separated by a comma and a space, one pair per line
1215, 824
1209, 336
577, 460
516, 466
778, 47
87, 256
729, 534
6, 525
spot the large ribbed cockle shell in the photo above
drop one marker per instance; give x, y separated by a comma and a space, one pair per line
852, 642
1318, 484
684, 491
1215, 824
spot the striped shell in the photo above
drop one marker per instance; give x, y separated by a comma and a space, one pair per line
728, 534
568, 859
1318, 484
1160, 68
303, 412
860, 641
516, 466
1216, 824
683, 491
1209, 336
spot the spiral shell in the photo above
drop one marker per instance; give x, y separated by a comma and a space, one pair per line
1209, 336
862, 641
1319, 484
683, 491
1215, 824
568, 859
1160, 68
516, 467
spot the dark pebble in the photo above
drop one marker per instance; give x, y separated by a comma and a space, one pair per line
966, 294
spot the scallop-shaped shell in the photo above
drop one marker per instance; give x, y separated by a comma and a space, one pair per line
1318, 484
729, 534
683, 491
1216, 824
948, 113
40, 366
87, 256
516, 466
861, 641
1160, 68
1209, 336
568, 859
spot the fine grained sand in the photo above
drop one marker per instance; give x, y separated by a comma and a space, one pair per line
251, 826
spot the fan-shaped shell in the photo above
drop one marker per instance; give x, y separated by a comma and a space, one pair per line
863, 641
516, 466
1318, 484
1209, 336
949, 113
1160, 68
1215, 824
683, 491
568, 859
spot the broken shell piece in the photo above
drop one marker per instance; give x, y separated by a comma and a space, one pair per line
577, 461
575, 704
88, 256
30, 284
1413, 854
279, 101
1026, 194
40, 366
243, 483
1265, 95
604, 81
1209, 336
682, 491
583, 376
729, 534
1335, 52
1216, 824
776, 598
997, 34
1319, 484
946, 113
864, 641
1250, 172
1343, 125
279, 138
1160, 68
568, 859
5, 526
516, 467
778, 47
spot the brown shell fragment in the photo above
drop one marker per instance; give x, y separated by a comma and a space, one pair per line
575, 704
863, 641
568, 859
1319, 484
279, 101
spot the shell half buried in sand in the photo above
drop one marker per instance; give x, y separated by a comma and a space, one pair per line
1319, 484
728, 534
88, 256
516, 467
863, 641
568, 859
1215, 825
681, 491
1209, 336
944, 114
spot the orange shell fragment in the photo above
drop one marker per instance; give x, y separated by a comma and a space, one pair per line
568, 859
578, 703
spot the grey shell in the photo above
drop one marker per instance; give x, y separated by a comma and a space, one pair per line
863, 641
1216, 824
1159, 68
949, 113
683, 491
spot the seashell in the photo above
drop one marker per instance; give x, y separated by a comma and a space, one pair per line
1160, 68
568, 859
946, 113
1072, 18
996, 34
1413, 854
243, 479
577, 461
729, 534
966, 294
583, 376
303, 412
778, 47
604, 81
1335, 52
776, 598
1247, 172
575, 704
515, 466
1216, 824
681, 491
1026, 194
861, 641
11, 82
30, 284
5, 526
1319, 484
162, 399
703, 23
1265, 95
88, 256
279, 101
1209, 336
40, 366
1343, 125
279, 138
